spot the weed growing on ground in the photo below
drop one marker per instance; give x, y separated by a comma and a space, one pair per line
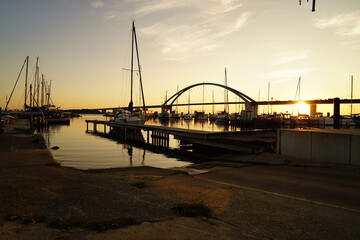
140, 185
100, 226
192, 209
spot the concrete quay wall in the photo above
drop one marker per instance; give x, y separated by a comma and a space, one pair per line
320, 145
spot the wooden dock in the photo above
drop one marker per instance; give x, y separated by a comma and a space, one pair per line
243, 141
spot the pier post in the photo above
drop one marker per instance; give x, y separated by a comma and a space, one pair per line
147, 137
336, 113
104, 128
87, 126
95, 130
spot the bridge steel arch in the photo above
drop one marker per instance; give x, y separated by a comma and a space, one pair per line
173, 98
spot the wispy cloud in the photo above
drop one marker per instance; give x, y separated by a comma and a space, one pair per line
97, 4
290, 57
285, 75
151, 7
109, 15
182, 41
345, 24
197, 31
182, 29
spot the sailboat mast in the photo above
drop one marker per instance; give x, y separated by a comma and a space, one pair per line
139, 67
132, 64
268, 98
203, 98
48, 100
299, 87
351, 95
213, 102
26, 80
38, 89
226, 95
8, 100
177, 100
42, 89
189, 103
35, 81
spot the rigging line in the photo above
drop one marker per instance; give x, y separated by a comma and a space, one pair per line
296, 93
15, 85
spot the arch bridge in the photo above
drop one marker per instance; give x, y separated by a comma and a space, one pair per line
250, 104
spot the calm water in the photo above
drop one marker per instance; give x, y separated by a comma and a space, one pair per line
83, 150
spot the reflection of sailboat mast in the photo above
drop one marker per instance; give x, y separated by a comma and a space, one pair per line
130, 152
143, 158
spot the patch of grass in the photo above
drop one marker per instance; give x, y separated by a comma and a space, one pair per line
192, 209
140, 185
104, 225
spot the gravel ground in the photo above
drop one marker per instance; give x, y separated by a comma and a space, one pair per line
264, 196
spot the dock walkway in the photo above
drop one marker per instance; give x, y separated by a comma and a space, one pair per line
243, 141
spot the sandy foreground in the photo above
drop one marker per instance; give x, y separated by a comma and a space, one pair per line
35, 190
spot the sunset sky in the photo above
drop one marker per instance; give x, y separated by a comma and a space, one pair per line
84, 45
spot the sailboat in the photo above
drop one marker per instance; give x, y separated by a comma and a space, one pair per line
223, 118
188, 116
129, 115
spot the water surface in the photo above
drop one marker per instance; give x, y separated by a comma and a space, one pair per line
83, 150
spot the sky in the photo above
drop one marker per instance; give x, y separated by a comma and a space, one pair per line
84, 46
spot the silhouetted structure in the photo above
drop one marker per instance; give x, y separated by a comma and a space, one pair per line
313, 5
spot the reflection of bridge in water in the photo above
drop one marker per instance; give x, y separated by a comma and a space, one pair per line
250, 104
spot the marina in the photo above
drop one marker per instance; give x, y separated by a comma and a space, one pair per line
241, 121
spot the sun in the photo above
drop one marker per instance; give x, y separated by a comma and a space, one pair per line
302, 108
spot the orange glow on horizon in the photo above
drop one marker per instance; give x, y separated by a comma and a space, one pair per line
302, 108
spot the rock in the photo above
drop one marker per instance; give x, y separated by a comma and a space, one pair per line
55, 148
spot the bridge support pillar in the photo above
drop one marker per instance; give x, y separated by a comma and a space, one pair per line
103, 111
313, 109
252, 107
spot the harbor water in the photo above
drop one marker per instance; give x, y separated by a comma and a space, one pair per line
72, 146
